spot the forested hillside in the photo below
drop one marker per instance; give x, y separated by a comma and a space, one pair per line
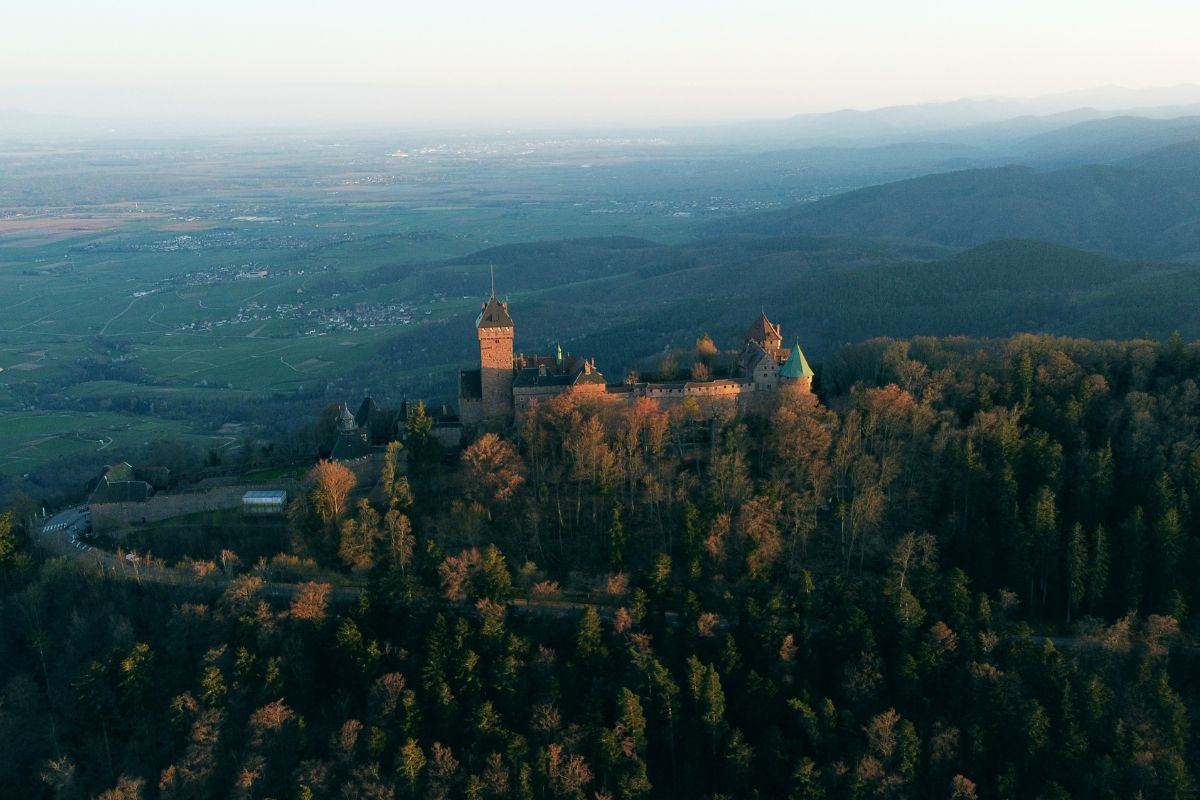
624, 299
847, 597
1119, 210
1106, 141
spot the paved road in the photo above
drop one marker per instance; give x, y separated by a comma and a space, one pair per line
62, 533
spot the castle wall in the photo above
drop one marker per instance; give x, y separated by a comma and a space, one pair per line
166, 505
526, 395
767, 374
449, 437
470, 410
796, 385
711, 396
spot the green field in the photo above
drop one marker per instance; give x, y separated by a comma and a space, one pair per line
200, 286
30, 439
206, 274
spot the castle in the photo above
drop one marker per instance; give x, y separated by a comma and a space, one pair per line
507, 383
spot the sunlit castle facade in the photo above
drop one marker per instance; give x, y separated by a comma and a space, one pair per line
507, 383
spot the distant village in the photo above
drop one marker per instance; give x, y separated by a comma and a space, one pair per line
323, 318
360, 316
230, 273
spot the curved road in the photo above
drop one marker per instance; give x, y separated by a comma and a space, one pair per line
61, 534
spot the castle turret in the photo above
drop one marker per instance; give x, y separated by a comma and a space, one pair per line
796, 369
495, 330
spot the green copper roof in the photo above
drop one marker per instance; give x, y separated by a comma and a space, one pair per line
796, 366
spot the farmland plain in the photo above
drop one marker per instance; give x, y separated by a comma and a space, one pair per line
218, 291
182, 280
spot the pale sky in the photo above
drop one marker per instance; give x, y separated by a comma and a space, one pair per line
559, 62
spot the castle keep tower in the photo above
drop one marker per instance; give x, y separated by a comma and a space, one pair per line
495, 330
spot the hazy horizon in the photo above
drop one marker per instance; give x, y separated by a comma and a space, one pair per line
539, 64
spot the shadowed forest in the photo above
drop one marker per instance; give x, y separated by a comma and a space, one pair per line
962, 569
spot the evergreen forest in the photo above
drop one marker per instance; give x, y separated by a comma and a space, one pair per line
960, 568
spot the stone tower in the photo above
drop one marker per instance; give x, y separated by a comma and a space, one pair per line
495, 329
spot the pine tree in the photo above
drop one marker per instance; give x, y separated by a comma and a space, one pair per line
618, 540
1022, 378
1043, 532
1076, 567
1097, 572
589, 641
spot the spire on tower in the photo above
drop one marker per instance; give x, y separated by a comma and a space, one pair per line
493, 313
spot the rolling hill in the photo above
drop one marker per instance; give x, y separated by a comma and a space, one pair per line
623, 299
1113, 209
1106, 141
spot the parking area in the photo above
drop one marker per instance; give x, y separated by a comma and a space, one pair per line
65, 531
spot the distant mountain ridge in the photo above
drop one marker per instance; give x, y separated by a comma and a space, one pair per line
968, 120
1107, 141
975, 120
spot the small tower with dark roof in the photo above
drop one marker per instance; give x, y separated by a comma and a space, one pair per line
766, 333
762, 353
495, 330
346, 421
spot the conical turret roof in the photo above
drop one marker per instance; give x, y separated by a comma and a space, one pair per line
796, 366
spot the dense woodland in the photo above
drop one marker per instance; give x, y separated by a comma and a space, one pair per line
965, 571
